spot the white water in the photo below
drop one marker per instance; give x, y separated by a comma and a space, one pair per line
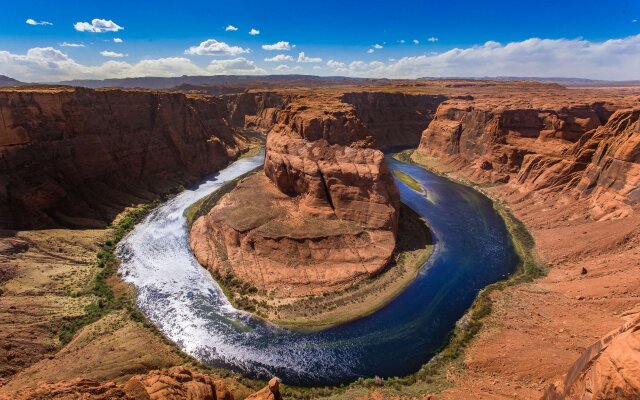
183, 300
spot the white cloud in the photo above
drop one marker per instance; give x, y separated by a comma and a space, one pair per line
32, 21
634, 20
432, 39
286, 68
117, 40
416, 41
112, 54
370, 51
279, 58
335, 64
282, 46
212, 47
402, 41
304, 59
317, 67
238, 65
230, 28
254, 32
614, 59
97, 25
67, 44
46, 64
377, 46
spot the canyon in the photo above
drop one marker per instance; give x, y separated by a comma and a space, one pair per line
565, 161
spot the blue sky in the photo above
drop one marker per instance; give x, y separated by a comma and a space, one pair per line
462, 38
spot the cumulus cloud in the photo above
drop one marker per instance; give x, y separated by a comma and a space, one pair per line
97, 25
432, 39
230, 28
370, 51
238, 65
402, 41
286, 68
67, 44
335, 64
416, 41
279, 58
212, 47
282, 46
377, 46
117, 40
254, 32
46, 64
304, 59
112, 54
612, 59
32, 21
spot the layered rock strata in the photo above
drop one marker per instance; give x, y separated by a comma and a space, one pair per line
590, 149
76, 157
321, 217
395, 119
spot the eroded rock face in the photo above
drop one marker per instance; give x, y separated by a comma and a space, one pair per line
323, 216
612, 177
590, 149
76, 157
608, 369
394, 119
177, 384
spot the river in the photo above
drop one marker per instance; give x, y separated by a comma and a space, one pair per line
472, 250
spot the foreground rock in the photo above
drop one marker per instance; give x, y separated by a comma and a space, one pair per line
609, 369
177, 384
322, 217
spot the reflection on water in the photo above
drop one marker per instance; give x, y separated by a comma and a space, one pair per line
472, 250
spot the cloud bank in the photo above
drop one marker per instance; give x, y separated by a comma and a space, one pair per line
46, 64
614, 59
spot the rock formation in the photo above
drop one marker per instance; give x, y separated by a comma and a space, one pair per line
325, 219
178, 384
591, 148
76, 157
608, 369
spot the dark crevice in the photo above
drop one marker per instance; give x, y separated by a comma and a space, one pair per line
326, 190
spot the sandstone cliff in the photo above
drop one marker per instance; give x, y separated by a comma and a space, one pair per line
76, 157
326, 217
589, 148
394, 119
